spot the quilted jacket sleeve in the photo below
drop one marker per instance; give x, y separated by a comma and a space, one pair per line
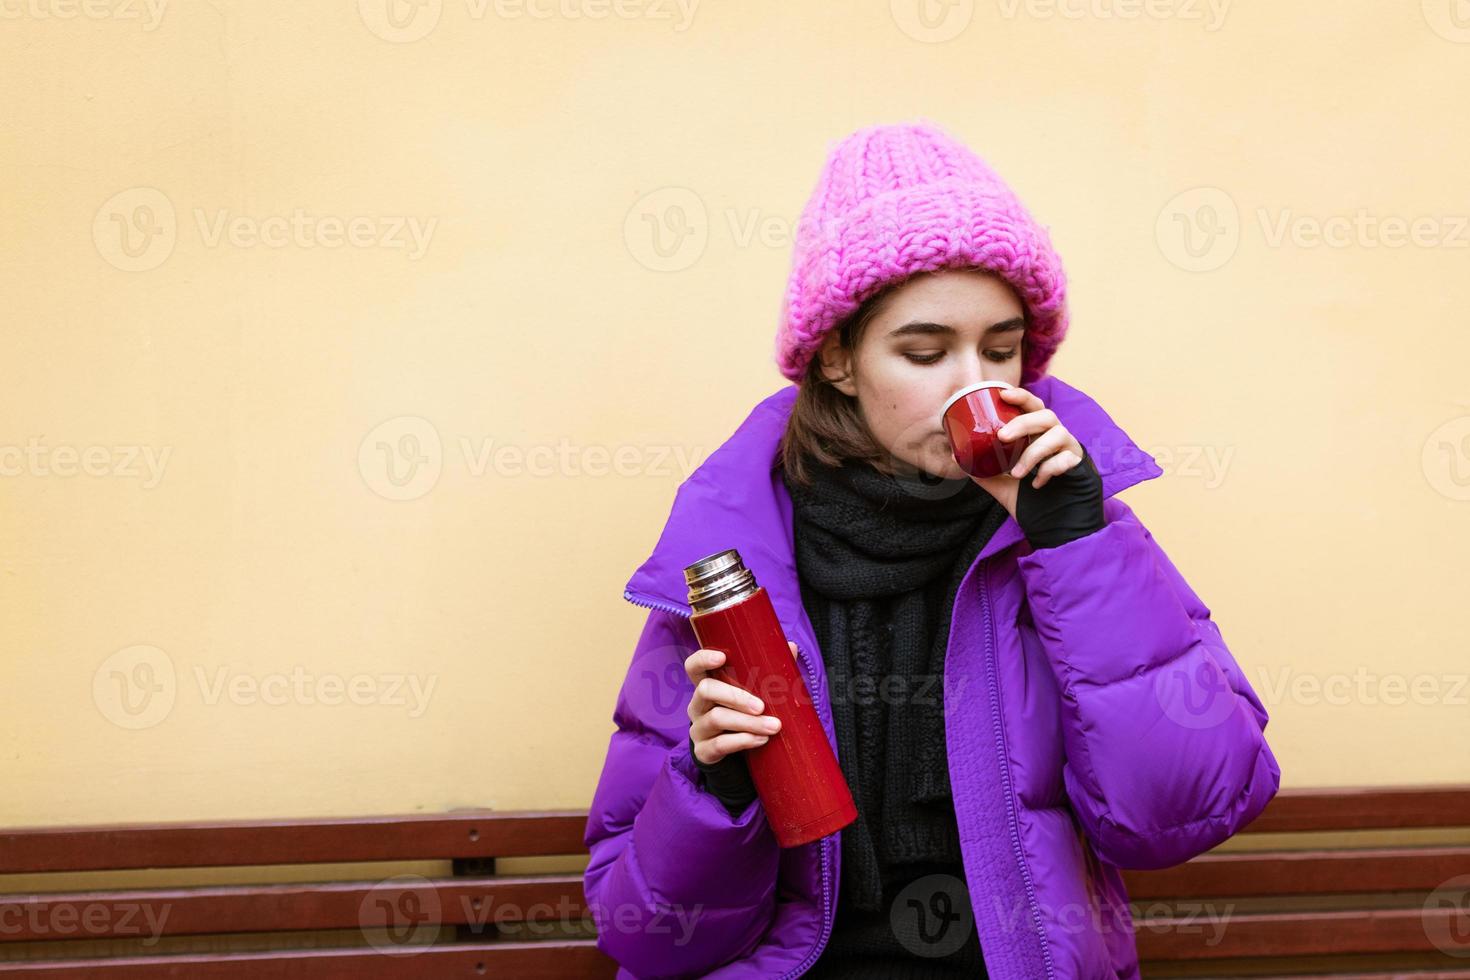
676, 884
1164, 737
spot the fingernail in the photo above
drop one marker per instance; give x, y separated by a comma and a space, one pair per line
758, 705
772, 724
761, 740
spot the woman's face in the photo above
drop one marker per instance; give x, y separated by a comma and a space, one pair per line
931, 336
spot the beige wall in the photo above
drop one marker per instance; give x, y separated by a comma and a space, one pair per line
1308, 401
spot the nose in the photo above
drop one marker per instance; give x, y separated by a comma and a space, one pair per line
971, 368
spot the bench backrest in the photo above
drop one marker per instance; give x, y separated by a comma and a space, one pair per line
469, 920
1300, 889
1276, 899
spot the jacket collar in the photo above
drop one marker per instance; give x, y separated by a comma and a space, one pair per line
737, 499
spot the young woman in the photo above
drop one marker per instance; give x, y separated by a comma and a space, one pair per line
1024, 693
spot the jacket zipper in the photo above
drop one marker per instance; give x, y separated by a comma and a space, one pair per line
1005, 771
824, 852
650, 603
1012, 821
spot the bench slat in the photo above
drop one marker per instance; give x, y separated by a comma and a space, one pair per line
475, 833
1418, 973
488, 833
560, 960
1367, 808
1317, 872
1396, 975
1292, 934
403, 905
472, 900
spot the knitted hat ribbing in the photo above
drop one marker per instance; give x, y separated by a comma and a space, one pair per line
899, 199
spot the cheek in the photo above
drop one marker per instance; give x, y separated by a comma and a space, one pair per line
903, 413
899, 410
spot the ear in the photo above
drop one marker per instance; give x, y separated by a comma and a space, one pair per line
837, 365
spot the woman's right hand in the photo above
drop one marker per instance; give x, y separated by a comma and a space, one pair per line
724, 718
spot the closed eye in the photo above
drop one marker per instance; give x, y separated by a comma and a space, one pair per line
998, 357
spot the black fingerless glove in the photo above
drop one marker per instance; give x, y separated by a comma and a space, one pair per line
1066, 508
727, 780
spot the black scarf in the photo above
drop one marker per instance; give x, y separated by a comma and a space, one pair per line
879, 559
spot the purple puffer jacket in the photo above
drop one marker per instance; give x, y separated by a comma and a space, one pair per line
1094, 719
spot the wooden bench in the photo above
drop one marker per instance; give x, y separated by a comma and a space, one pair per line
1306, 890
1293, 895
459, 918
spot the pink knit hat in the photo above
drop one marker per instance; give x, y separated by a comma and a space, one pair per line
895, 200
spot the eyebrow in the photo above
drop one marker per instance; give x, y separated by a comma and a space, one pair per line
925, 327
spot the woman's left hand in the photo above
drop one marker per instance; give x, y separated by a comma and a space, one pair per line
1052, 446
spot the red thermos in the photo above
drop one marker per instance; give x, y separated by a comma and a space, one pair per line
801, 786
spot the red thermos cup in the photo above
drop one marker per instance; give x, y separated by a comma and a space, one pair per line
796, 774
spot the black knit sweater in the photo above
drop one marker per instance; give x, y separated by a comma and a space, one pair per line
925, 925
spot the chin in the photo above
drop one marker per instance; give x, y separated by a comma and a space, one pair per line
949, 471
940, 464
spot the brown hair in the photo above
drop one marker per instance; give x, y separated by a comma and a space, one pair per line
826, 426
